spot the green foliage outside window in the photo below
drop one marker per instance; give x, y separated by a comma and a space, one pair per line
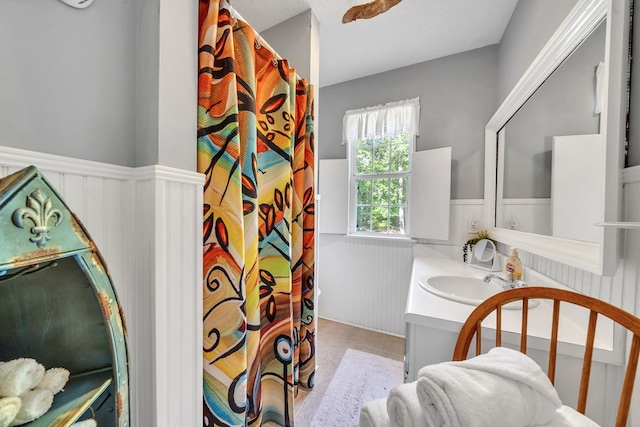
382, 170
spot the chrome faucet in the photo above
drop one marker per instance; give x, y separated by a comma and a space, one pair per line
507, 284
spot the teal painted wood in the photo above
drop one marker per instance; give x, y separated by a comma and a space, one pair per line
116, 328
77, 397
36, 224
58, 303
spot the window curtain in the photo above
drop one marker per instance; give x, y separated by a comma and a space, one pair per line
256, 150
391, 119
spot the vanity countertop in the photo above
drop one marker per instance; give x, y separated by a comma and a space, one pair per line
426, 309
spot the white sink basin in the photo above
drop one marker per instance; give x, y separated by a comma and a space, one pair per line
467, 290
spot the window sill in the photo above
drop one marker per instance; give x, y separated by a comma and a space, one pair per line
407, 239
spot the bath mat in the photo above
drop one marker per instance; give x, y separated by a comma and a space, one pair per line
360, 378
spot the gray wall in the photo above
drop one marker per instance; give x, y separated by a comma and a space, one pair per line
67, 80
532, 23
457, 99
294, 49
147, 78
115, 82
633, 156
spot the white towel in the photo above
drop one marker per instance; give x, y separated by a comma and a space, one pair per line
86, 423
9, 408
403, 406
502, 387
18, 376
35, 403
54, 379
569, 417
374, 414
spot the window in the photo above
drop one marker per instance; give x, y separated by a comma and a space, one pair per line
380, 145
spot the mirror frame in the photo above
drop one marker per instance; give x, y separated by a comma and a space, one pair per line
600, 257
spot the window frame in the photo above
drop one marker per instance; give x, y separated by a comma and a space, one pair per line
354, 177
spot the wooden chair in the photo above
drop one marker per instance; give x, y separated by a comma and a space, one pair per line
472, 327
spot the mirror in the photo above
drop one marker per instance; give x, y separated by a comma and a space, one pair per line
531, 156
533, 196
483, 256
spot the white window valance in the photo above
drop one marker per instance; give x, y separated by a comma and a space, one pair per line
391, 119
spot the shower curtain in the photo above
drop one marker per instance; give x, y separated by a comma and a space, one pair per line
256, 149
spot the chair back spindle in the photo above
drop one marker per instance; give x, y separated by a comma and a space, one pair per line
473, 328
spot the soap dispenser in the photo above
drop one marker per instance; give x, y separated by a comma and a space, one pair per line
513, 266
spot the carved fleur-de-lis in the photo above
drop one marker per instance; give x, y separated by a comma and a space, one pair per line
40, 211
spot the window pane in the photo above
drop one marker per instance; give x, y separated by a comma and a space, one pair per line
398, 191
396, 220
381, 158
363, 160
380, 191
364, 192
380, 218
383, 140
404, 138
363, 220
400, 157
365, 143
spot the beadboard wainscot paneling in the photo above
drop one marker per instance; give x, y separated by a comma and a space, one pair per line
146, 223
630, 281
365, 281
81, 184
621, 289
169, 228
531, 215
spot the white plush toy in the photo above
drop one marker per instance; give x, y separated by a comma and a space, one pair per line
54, 379
9, 407
26, 390
19, 376
35, 403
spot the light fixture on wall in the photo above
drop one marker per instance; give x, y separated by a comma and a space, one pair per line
78, 4
368, 10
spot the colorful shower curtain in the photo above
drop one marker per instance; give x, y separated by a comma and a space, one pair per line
256, 149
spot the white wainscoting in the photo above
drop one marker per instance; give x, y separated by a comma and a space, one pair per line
147, 224
365, 281
621, 290
530, 215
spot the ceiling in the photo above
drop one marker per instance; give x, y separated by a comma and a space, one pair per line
411, 32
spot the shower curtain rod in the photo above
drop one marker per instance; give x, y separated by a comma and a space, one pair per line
263, 43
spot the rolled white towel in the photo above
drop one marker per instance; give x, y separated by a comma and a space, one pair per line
502, 387
403, 406
86, 423
9, 408
374, 414
569, 417
54, 379
35, 403
18, 376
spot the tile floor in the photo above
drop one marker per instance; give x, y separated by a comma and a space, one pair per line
333, 339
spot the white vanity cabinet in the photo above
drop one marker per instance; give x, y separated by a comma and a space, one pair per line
433, 324
426, 346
